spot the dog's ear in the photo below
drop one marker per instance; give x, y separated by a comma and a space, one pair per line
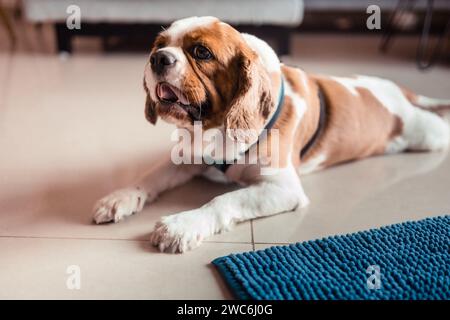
150, 107
252, 102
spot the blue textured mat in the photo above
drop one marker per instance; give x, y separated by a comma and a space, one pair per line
413, 260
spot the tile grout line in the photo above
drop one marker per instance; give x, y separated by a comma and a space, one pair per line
105, 239
253, 236
253, 243
274, 243
6, 88
68, 238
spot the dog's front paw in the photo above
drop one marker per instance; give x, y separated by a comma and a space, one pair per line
178, 233
119, 204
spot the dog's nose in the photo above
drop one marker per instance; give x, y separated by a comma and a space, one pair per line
162, 60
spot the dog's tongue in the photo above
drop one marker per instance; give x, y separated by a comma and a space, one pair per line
165, 92
170, 93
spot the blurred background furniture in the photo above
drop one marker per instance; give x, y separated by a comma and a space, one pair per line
426, 55
273, 19
131, 25
6, 23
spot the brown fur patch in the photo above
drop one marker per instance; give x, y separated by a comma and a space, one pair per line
310, 119
285, 126
252, 103
358, 126
150, 107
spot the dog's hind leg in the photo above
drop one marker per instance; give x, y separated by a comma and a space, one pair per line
425, 130
430, 132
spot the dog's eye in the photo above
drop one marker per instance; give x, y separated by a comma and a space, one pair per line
202, 53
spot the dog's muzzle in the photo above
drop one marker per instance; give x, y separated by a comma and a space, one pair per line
161, 61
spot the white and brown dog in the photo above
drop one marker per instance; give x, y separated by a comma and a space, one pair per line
201, 69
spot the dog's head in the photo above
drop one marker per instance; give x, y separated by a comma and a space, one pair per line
201, 69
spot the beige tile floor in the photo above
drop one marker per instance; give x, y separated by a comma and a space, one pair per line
72, 129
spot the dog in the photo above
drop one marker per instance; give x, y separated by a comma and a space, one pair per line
201, 70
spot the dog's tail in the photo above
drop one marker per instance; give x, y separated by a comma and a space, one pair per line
431, 103
424, 102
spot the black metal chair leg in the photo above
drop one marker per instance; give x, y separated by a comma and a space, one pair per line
283, 42
63, 38
421, 60
402, 7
